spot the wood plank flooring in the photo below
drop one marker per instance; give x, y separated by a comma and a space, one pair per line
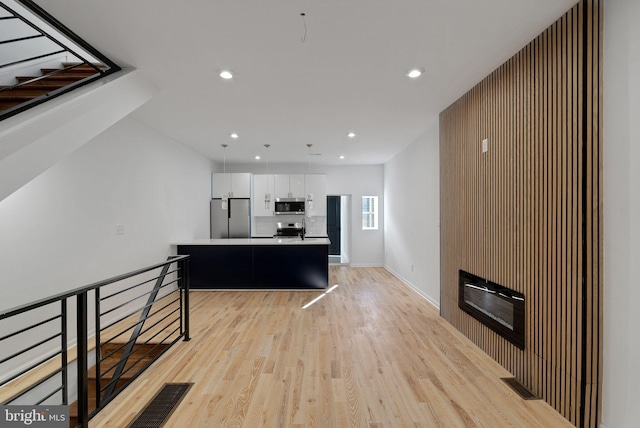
371, 353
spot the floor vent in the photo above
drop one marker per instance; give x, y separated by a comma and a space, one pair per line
158, 410
523, 392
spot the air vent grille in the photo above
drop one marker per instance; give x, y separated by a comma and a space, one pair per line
157, 411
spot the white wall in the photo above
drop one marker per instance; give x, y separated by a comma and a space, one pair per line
621, 375
367, 246
59, 230
345, 228
33, 141
412, 215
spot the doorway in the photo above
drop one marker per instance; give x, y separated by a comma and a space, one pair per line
338, 209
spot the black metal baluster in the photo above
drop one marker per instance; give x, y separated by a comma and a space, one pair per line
83, 390
63, 348
185, 276
98, 348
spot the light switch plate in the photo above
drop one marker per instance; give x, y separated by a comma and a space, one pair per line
485, 145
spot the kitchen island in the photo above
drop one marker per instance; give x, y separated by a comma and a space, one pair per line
258, 263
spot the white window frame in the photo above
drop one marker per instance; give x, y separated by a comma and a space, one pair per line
374, 212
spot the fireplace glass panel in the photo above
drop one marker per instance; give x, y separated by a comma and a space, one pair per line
499, 308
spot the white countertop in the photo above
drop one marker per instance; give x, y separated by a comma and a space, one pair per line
256, 241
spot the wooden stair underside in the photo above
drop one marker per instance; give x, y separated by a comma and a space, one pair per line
12, 97
140, 358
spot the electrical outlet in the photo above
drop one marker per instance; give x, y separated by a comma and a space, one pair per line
119, 229
485, 145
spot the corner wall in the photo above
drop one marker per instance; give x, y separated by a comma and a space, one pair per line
412, 215
621, 394
527, 213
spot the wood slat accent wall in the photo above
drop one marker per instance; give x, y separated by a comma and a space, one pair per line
528, 213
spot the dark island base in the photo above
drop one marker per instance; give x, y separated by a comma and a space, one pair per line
257, 267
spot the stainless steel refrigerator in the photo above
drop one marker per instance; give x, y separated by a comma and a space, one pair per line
232, 222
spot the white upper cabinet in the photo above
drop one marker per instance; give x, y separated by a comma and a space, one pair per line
296, 185
316, 194
289, 185
263, 195
282, 185
241, 185
234, 185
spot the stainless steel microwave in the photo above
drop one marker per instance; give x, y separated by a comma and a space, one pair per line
289, 206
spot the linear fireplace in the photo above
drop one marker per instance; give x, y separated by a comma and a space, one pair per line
499, 308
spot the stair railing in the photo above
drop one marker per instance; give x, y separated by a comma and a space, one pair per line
36, 347
62, 42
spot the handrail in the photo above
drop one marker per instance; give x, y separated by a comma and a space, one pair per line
169, 299
63, 38
99, 284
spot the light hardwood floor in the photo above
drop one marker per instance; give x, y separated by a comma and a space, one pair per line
371, 353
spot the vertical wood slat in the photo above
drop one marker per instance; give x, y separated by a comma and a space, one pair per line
527, 214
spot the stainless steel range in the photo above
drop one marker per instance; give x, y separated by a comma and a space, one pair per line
292, 230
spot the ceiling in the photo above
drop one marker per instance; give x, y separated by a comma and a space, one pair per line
304, 80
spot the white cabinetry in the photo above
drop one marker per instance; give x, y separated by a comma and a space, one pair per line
296, 185
263, 195
234, 185
281, 185
289, 185
316, 194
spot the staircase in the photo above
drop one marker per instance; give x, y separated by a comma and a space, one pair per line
50, 80
141, 357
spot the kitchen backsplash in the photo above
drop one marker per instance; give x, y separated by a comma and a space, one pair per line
266, 226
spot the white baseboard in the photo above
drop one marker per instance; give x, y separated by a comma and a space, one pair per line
414, 288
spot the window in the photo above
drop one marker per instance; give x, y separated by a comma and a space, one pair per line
369, 213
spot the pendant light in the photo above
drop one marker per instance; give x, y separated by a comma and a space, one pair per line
267, 195
309, 195
225, 196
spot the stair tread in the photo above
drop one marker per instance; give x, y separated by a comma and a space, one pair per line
153, 349
5, 105
73, 407
23, 93
139, 350
70, 64
127, 372
18, 98
29, 86
48, 80
67, 73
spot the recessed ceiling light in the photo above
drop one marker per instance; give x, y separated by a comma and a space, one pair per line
351, 135
226, 74
341, 156
234, 135
257, 157
414, 73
